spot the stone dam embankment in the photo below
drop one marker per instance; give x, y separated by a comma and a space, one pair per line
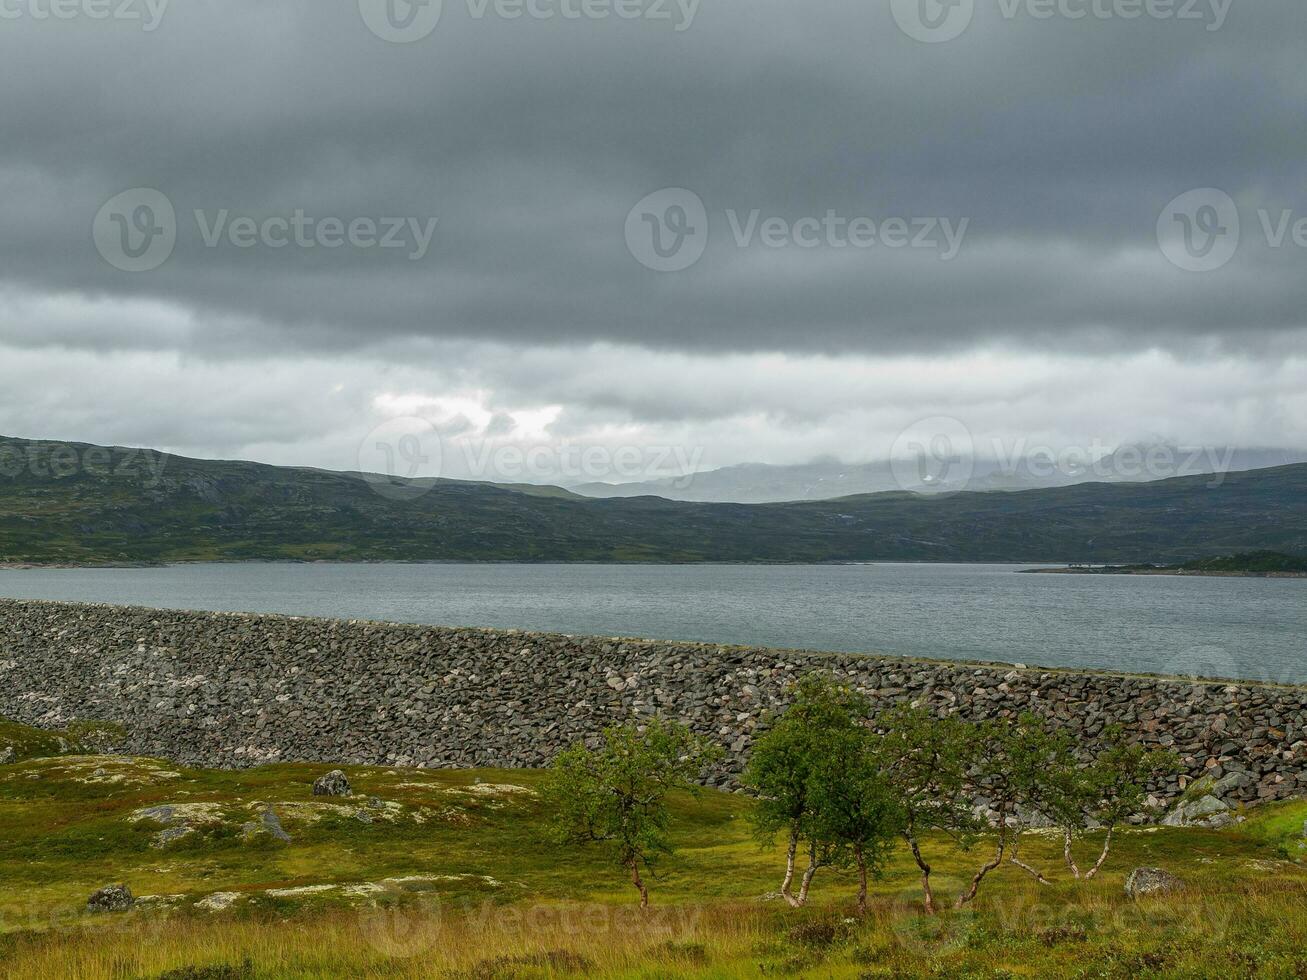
237, 690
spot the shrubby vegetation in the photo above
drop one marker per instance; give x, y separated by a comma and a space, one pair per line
616, 795
461, 883
841, 787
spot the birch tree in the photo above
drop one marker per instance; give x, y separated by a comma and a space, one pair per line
783, 769
616, 795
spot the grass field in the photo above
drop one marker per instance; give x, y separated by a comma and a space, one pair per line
450, 874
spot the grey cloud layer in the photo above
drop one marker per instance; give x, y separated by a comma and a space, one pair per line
1061, 142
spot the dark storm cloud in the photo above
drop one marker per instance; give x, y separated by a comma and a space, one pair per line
1058, 141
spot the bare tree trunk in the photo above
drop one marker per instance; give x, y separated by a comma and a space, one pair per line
790, 852
1066, 852
639, 883
811, 870
1013, 858
925, 871
970, 893
1102, 857
862, 879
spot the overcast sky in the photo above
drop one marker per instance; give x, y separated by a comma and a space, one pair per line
736, 229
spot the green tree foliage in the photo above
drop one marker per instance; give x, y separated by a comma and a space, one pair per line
853, 810
616, 795
938, 768
786, 767
926, 760
1101, 794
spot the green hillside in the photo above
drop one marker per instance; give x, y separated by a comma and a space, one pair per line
82, 504
1256, 563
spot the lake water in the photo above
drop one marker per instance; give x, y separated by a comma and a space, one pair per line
1213, 627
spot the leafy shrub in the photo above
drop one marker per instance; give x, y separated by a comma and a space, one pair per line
553, 961
221, 971
819, 934
692, 953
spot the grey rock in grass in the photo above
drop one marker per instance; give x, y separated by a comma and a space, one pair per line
1152, 881
171, 835
268, 823
111, 898
1210, 812
272, 825
334, 783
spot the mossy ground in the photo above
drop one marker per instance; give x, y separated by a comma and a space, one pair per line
454, 876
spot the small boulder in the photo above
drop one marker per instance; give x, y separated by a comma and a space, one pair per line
1151, 881
170, 835
272, 826
334, 783
268, 823
112, 898
1205, 811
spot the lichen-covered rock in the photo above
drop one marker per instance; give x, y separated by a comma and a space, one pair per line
1151, 881
334, 783
1207, 811
231, 690
111, 898
268, 824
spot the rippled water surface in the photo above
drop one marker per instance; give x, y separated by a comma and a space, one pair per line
1228, 627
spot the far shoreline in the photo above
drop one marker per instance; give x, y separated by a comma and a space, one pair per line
1174, 572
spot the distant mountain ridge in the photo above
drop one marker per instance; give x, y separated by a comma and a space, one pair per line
762, 483
73, 503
